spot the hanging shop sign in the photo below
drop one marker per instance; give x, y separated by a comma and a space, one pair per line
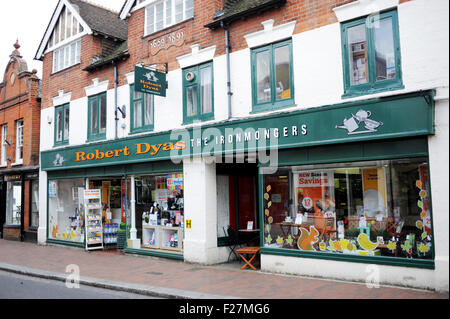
150, 81
408, 116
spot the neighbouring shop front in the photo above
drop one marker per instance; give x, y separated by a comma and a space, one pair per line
347, 182
19, 208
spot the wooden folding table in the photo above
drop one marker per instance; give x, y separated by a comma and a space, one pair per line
252, 252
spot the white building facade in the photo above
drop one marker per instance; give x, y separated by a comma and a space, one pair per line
342, 136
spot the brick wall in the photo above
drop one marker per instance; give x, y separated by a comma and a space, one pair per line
22, 103
310, 14
11, 234
74, 79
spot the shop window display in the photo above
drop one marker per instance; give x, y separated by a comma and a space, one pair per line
66, 210
13, 203
377, 208
160, 211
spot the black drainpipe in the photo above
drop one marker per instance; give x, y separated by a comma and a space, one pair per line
116, 82
227, 50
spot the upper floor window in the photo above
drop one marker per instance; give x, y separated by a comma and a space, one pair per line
67, 56
4, 143
198, 93
272, 76
19, 141
163, 14
62, 116
142, 111
66, 28
371, 54
97, 117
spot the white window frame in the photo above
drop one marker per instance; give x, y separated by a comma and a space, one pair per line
70, 54
4, 136
19, 141
154, 4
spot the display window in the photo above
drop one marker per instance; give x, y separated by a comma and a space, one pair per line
159, 216
379, 208
13, 203
66, 210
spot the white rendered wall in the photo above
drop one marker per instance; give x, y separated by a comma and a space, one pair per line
200, 206
42, 230
438, 147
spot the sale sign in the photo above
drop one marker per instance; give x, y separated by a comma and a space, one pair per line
315, 192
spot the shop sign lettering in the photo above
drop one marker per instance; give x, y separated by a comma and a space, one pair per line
150, 81
166, 41
13, 178
141, 149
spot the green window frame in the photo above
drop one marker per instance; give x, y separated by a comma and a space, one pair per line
275, 95
372, 78
198, 86
97, 117
62, 124
142, 112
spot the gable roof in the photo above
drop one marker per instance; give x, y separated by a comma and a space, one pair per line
234, 10
120, 53
93, 18
127, 6
101, 20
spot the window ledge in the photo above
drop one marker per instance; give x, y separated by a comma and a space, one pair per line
197, 119
355, 93
96, 139
17, 164
11, 226
274, 108
65, 69
147, 129
58, 145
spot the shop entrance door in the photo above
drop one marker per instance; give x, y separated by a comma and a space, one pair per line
246, 201
241, 181
115, 204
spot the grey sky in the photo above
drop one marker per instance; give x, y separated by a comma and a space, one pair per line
27, 21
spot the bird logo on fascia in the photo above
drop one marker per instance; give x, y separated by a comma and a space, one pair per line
151, 77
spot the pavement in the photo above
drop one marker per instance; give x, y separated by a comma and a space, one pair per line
165, 278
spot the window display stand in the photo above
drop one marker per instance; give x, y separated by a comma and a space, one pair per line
93, 219
171, 238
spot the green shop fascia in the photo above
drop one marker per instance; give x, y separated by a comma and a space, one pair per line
350, 180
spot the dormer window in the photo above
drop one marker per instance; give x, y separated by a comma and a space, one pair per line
163, 14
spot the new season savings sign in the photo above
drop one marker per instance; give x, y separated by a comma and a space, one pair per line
410, 115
